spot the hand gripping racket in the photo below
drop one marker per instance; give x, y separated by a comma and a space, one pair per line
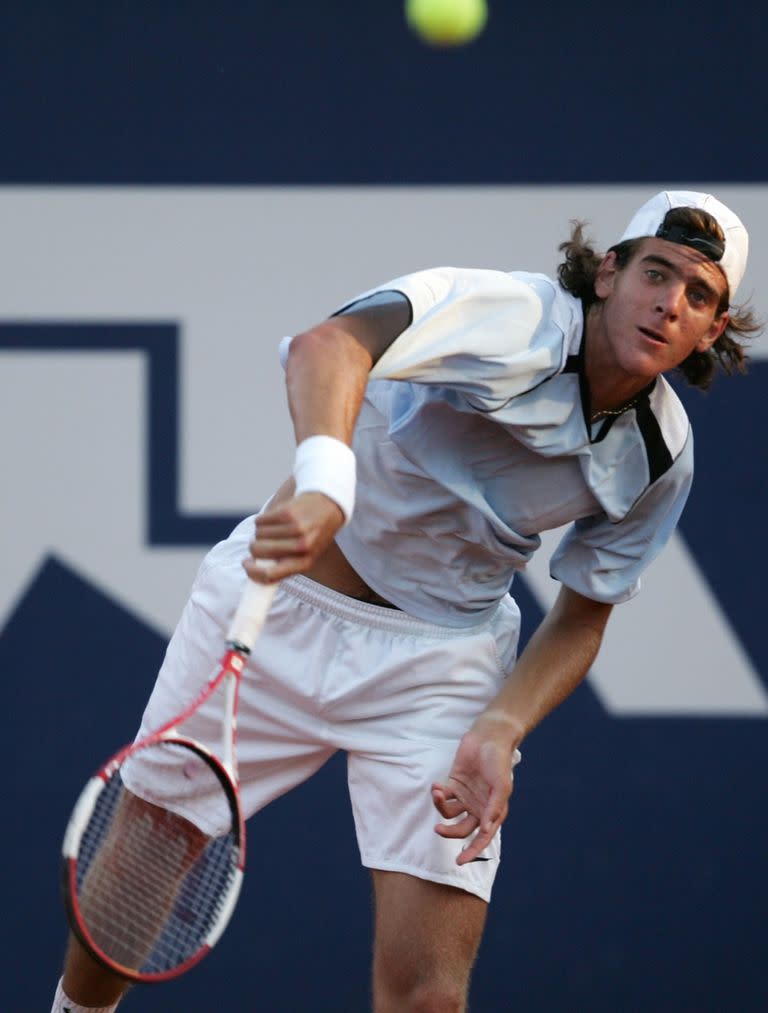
147, 891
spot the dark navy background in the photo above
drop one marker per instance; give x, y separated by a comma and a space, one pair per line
130, 91
635, 872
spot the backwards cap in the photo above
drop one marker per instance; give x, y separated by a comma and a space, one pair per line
731, 256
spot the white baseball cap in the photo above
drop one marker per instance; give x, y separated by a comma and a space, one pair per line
732, 260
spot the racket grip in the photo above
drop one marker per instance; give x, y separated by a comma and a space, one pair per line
251, 613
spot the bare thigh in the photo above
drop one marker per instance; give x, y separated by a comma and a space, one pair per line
426, 940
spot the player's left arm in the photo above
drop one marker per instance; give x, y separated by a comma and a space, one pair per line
556, 659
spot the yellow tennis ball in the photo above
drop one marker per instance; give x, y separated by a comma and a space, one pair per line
446, 22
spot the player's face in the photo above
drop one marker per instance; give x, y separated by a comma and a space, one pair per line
663, 305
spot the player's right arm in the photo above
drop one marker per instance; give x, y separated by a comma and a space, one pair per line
326, 375
328, 365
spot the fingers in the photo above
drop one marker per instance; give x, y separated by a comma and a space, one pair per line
476, 846
272, 559
272, 571
458, 830
283, 524
291, 536
463, 823
498, 806
299, 514
463, 828
460, 795
274, 549
282, 534
448, 807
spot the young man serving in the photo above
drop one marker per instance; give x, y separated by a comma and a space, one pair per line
443, 421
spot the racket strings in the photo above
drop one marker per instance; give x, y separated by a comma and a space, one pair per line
150, 884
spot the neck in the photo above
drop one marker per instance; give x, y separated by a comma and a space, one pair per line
611, 389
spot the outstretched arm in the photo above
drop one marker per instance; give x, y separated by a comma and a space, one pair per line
326, 375
555, 661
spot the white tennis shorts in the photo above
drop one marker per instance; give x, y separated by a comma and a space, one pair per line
329, 673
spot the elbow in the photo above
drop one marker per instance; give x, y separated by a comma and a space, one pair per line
307, 346
326, 343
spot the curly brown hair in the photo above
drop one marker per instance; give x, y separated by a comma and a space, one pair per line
577, 275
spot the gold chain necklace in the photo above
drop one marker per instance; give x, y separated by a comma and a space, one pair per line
606, 412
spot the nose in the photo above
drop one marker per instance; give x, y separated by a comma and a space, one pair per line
668, 300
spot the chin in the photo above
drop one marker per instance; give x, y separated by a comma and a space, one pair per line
646, 365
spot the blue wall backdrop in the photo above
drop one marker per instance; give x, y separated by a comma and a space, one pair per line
635, 873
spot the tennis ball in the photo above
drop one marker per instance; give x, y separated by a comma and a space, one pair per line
446, 22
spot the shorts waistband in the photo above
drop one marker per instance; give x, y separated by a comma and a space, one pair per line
375, 616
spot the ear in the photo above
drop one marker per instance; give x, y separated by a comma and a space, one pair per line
606, 276
718, 326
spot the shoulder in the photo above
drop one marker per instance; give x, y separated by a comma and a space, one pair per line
561, 311
491, 334
448, 284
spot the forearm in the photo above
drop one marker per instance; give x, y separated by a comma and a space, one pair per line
474, 799
326, 375
555, 661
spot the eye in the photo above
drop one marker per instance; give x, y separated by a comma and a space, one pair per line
699, 297
653, 274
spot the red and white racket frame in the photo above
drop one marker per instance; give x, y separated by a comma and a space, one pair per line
249, 618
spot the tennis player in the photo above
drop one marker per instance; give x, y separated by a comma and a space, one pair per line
443, 421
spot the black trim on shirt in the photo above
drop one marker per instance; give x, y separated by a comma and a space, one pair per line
360, 303
656, 449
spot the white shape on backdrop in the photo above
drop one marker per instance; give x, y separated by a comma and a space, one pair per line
237, 268
74, 482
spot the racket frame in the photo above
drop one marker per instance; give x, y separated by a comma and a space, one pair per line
248, 620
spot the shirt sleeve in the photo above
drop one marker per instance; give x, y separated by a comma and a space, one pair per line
604, 560
476, 331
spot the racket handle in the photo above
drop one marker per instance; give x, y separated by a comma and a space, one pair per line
251, 613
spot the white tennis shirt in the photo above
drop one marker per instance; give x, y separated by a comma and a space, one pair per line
474, 438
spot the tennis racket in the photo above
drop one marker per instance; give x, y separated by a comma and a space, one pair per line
147, 891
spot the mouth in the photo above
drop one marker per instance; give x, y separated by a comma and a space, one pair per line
654, 336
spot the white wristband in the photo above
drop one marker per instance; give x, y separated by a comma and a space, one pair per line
325, 464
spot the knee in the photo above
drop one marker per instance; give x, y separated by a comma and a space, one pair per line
437, 997
421, 993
